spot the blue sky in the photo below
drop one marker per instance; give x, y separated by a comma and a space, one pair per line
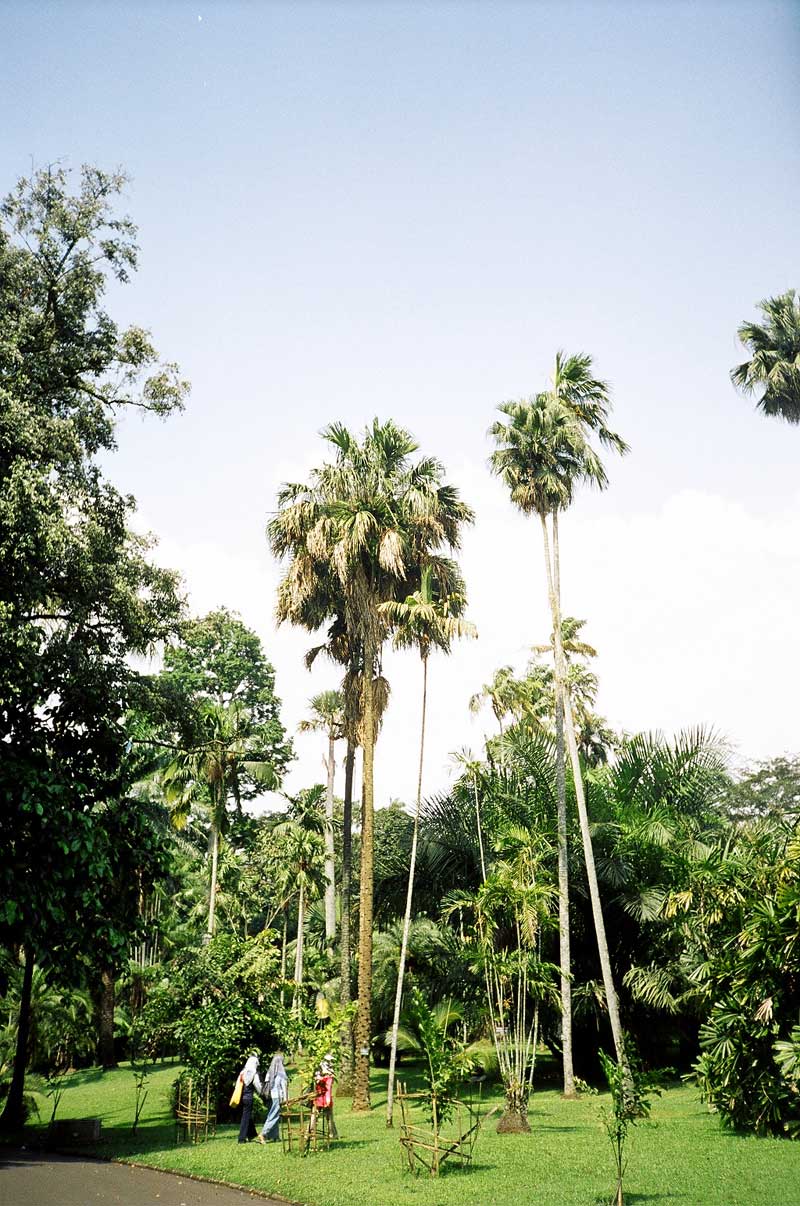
404, 209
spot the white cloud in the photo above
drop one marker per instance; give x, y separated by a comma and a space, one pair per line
690, 606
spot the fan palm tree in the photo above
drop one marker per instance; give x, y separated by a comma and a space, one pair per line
774, 364
211, 773
428, 619
543, 453
368, 520
327, 716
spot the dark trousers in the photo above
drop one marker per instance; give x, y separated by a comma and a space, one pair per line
247, 1129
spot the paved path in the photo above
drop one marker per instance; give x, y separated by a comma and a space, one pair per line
41, 1179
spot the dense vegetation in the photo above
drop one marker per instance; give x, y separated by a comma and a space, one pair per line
575, 891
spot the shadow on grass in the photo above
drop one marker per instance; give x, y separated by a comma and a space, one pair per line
654, 1197
561, 1130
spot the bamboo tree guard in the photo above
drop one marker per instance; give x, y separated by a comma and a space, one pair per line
299, 1125
428, 1149
195, 1117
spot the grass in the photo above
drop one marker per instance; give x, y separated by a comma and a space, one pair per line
682, 1157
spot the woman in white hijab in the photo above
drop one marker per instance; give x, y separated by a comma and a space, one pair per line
250, 1081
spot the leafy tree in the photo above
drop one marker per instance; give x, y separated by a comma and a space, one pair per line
79, 595
217, 659
774, 364
768, 789
215, 1003
749, 904
427, 1033
543, 453
629, 1086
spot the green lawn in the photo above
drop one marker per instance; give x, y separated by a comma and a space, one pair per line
683, 1157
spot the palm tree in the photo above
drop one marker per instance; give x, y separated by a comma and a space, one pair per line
543, 453
369, 520
774, 363
327, 716
304, 853
211, 772
428, 619
505, 694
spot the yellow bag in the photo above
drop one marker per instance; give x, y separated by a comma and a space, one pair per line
236, 1095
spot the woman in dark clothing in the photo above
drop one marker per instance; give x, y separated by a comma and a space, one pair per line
251, 1082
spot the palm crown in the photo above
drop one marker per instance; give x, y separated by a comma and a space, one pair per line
774, 363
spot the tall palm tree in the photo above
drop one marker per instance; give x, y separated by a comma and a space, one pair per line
327, 716
369, 520
543, 452
211, 773
774, 364
428, 619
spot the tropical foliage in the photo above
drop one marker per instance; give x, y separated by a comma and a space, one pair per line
160, 894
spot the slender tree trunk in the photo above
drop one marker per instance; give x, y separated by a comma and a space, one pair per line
563, 858
283, 954
588, 853
105, 1045
212, 894
330, 873
363, 1029
478, 826
346, 1071
398, 999
298, 952
13, 1115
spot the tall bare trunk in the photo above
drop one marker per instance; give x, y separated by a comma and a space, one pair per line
330, 881
298, 952
346, 1071
563, 858
363, 1028
588, 852
212, 894
13, 1113
398, 999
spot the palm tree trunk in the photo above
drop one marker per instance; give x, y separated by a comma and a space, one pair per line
588, 853
330, 884
563, 861
363, 1028
13, 1114
398, 999
346, 1071
212, 895
298, 952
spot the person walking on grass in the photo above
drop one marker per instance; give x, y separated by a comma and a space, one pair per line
276, 1087
251, 1082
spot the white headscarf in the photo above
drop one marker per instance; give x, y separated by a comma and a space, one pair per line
250, 1070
